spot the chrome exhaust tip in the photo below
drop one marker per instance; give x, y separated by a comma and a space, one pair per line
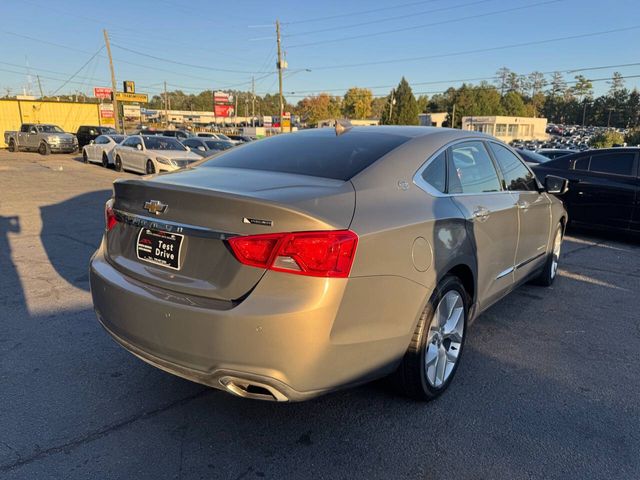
251, 389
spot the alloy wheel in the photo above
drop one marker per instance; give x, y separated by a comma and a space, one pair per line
444, 339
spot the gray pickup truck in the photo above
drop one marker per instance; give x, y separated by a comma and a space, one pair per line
42, 138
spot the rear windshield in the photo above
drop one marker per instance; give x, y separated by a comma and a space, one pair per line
317, 153
162, 143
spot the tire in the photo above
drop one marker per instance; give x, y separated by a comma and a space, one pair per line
12, 145
150, 168
105, 160
85, 157
118, 164
550, 269
434, 353
44, 148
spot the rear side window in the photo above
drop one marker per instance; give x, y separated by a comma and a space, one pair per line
517, 177
317, 153
581, 164
616, 163
436, 173
472, 170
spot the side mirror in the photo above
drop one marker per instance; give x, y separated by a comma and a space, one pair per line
556, 185
188, 148
138, 146
201, 148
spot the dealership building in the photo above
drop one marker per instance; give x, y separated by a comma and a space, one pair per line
508, 128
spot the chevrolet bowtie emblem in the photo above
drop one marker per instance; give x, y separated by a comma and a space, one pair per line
155, 206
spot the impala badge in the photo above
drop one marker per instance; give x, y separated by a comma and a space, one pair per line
155, 206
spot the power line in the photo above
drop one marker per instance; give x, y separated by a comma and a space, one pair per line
478, 50
418, 27
434, 92
361, 12
386, 19
477, 79
78, 71
184, 64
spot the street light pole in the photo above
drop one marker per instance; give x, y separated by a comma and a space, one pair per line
280, 65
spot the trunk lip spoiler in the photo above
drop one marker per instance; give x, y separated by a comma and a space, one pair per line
142, 221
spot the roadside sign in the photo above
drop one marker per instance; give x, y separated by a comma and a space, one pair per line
129, 86
102, 92
106, 110
222, 97
266, 121
223, 110
132, 97
131, 111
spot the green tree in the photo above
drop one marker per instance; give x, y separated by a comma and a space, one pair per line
423, 103
357, 103
513, 104
377, 107
606, 139
404, 108
633, 138
312, 109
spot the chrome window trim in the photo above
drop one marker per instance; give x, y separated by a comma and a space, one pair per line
512, 150
431, 190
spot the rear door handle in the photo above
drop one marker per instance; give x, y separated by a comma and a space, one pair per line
522, 204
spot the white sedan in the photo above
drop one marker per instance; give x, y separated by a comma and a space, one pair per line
100, 150
152, 154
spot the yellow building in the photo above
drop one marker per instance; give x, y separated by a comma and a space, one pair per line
67, 115
508, 128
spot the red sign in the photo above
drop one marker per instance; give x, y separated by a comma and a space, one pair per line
102, 92
223, 110
222, 97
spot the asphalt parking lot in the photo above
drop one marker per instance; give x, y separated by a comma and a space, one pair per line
548, 386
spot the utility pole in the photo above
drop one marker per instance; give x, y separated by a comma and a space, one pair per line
280, 65
166, 105
453, 117
116, 113
253, 101
40, 86
235, 112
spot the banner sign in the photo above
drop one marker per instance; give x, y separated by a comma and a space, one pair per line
102, 92
223, 110
131, 111
106, 110
132, 97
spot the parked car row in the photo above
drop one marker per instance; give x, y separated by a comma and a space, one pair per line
149, 153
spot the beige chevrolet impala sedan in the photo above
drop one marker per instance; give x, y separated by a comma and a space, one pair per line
296, 265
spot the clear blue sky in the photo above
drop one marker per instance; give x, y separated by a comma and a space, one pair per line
230, 41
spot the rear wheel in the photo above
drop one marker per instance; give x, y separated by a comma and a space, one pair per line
550, 270
85, 157
44, 149
151, 169
105, 160
436, 346
12, 145
118, 164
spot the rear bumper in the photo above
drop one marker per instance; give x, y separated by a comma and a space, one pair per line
293, 338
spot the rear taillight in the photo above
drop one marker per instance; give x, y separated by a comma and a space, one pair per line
319, 254
110, 219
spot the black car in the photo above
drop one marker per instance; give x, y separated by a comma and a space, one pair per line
86, 133
604, 187
532, 158
554, 153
